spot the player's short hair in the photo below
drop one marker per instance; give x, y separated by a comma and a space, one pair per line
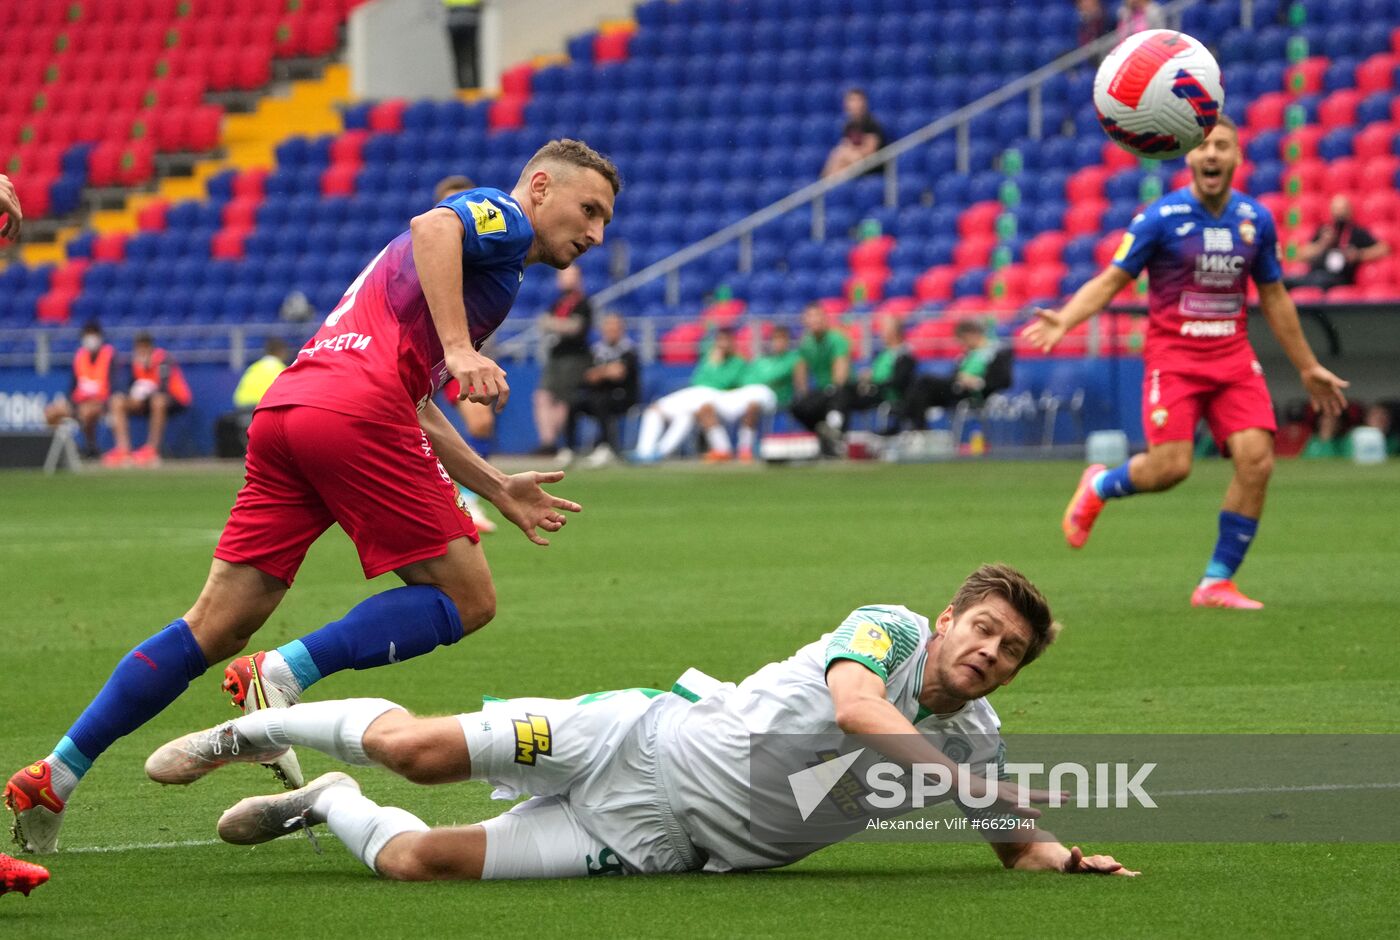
144, 339
782, 329
450, 185
92, 326
1010, 585
574, 153
970, 325
275, 346
1224, 120
857, 90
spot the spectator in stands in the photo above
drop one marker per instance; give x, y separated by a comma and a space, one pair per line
983, 368
1337, 248
1093, 21
821, 378
768, 386
1384, 416
9, 208
565, 328
611, 387
861, 136
1331, 434
1135, 16
158, 390
92, 385
480, 419
259, 376
888, 379
669, 421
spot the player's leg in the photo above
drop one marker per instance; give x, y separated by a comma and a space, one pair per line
716, 435
159, 409
89, 413
680, 411
654, 420
117, 409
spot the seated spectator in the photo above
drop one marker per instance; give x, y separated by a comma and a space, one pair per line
92, 387
1331, 435
1093, 21
821, 378
1384, 416
1337, 248
1136, 16
158, 390
861, 136
231, 430
611, 386
888, 380
767, 387
565, 328
983, 368
668, 422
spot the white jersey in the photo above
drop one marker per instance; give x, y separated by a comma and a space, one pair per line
705, 748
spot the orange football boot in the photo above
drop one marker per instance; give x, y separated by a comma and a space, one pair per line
1084, 507
1223, 594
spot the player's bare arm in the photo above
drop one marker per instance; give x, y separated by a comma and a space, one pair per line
520, 497
1047, 854
858, 695
437, 255
9, 206
1324, 388
1050, 326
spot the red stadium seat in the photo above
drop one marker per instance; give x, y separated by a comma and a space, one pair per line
109, 247
288, 36
936, 284
1116, 158
681, 344
834, 305
896, 307
1047, 247
254, 68
1374, 141
1343, 175
1266, 113
1306, 295
387, 115
69, 277
1380, 207
171, 128
979, 219
1306, 77
1395, 40
1370, 274
1307, 210
506, 113
1087, 183
1276, 203
1301, 144
1083, 217
1107, 246
321, 35
867, 286
611, 46
1339, 108
151, 217
103, 164
1044, 281
204, 128
241, 212
1345, 293
338, 179
870, 253
227, 244
249, 184
53, 306
1377, 73
974, 251
724, 312
137, 163
516, 81
346, 147
1008, 285
1305, 176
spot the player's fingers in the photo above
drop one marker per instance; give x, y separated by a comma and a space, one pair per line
1076, 858
548, 476
566, 505
504, 395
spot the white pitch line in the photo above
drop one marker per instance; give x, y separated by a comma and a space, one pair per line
134, 846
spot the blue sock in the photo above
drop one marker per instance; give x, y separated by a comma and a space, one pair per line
1236, 534
482, 445
1112, 484
386, 628
146, 680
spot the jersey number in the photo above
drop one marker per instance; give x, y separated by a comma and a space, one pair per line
348, 301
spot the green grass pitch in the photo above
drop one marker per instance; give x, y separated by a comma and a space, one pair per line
726, 570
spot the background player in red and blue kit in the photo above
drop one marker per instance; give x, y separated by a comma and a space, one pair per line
1199, 245
349, 434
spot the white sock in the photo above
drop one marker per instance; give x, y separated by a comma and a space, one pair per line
279, 672
747, 437
650, 432
362, 824
1208, 581
64, 780
676, 434
718, 439
336, 728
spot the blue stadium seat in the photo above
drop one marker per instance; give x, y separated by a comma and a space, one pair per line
1374, 108
1341, 73
1336, 144
970, 283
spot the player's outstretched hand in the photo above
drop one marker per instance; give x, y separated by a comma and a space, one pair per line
1325, 389
1080, 864
524, 502
1045, 330
9, 206
481, 379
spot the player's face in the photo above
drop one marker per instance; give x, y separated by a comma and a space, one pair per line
571, 208
814, 320
981, 648
1213, 162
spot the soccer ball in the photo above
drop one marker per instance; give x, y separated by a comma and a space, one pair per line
1158, 94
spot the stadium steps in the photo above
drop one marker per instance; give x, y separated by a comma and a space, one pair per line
248, 141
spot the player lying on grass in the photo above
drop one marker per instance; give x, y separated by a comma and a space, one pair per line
1200, 245
641, 781
349, 435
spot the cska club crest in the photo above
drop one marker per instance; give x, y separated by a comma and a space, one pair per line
1247, 232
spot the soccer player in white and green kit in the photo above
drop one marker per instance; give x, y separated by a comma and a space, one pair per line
643, 781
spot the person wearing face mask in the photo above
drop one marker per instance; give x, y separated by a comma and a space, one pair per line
87, 399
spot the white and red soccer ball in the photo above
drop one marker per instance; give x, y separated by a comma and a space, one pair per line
1158, 93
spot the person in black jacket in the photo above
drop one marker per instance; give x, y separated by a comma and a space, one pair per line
611, 387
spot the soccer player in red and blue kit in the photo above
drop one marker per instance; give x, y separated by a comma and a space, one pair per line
349, 434
1199, 244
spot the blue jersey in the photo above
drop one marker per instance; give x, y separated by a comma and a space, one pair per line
1198, 267
378, 355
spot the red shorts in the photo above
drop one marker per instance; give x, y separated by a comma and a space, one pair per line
1234, 399
308, 467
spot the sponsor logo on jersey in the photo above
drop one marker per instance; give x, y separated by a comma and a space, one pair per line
487, 217
344, 341
1179, 208
1247, 232
1184, 228
1218, 239
871, 640
1258, 369
1125, 246
533, 738
1245, 211
1219, 264
829, 777
1159, 417
1208, 328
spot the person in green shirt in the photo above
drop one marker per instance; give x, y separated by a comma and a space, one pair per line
822, 378
887, 380
258, 377
768, 386
984, 368
669, 421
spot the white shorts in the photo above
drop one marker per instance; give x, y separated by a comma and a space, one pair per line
733, 404
685, 402
591, 765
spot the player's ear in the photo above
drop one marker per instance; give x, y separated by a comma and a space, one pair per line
540, 182
945, 620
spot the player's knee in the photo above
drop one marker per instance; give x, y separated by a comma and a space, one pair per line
476, 609
407, 749
707, 414
1256, 468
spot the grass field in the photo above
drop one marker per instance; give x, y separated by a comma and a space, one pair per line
672, 568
